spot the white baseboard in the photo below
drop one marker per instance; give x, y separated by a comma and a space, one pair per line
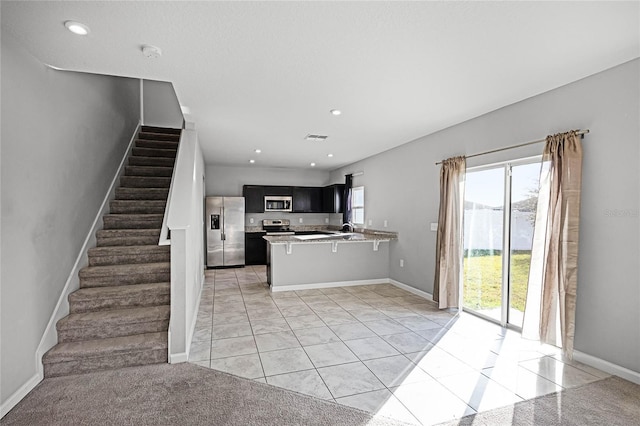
179, 358
413, 290
313, 286
606, 366
19, 394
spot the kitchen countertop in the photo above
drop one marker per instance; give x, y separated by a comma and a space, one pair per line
338, 236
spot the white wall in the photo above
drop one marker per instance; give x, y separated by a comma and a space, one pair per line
185, 220
63, 136
161, 105
228, 181
402, 186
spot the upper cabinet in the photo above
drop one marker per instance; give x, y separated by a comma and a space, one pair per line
306, 199
332, 198
277, 190
253, 198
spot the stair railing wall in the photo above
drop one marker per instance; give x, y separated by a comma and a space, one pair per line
184, 219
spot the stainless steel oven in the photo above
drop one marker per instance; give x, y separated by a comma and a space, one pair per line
274, 203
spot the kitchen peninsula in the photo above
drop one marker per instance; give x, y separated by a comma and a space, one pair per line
297, 262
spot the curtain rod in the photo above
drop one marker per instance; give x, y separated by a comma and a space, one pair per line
579, 132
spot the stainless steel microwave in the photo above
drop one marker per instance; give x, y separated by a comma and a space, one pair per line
274, 203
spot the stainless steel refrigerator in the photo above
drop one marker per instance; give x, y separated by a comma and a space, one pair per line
224, 221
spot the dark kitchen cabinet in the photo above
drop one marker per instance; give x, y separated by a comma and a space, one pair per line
255, 248
253, 198
332, 198
277, 190
307, 199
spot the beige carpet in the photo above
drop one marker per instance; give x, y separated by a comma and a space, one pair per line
183, 394
611, 402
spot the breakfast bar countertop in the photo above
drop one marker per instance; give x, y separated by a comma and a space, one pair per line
332, 237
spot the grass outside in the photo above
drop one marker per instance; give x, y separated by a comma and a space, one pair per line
483, 280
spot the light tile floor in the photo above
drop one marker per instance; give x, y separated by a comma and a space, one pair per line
376, 347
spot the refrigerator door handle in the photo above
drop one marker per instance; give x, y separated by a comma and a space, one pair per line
222, 219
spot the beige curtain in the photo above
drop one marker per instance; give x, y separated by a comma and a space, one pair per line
446, 286
553, 277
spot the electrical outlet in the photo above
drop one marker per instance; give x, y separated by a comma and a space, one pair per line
300, 220
370, 222
385, 223
402, 263
250, 220
434, 226
326, 220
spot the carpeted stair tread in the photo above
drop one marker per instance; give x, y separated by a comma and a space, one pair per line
106, 354
155, 171
142, 193
113, 275
161, 130
158, 136
127, 250
137, 206
114, 317
113, 323
111, 270
132, 221
155, 143
115, 255
141, 160
145, 181
154, 152
127, 237
68, 351
119, 297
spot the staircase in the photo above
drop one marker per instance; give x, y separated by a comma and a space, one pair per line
119, 316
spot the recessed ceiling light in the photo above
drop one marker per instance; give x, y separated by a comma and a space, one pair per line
252, 161
258, 151
335, 112
77, 27
313, 164
329, 155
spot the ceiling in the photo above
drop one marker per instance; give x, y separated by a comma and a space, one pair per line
265, 74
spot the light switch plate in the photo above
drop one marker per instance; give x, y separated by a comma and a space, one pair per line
250, 220
434, 226
370, 222
385, 223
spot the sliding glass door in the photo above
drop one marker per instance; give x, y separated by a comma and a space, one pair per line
499, 214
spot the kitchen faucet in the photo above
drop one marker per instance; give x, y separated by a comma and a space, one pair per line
347, 227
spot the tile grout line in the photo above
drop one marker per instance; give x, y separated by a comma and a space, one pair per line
264, 374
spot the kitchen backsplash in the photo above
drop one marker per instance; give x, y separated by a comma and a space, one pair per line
307, 218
